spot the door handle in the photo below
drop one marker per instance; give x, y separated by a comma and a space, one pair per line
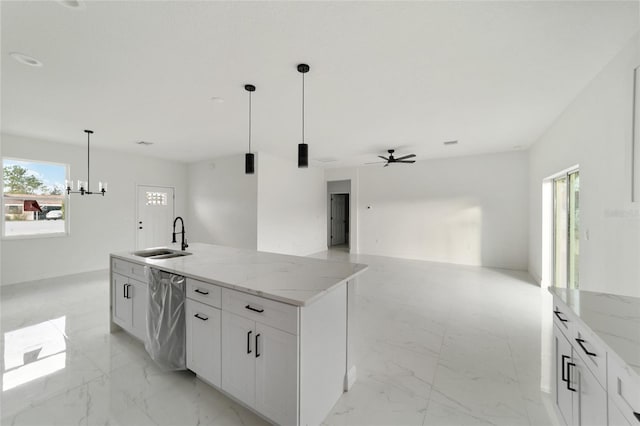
139, 227
569, 365
564, 358
249, 341
257, 347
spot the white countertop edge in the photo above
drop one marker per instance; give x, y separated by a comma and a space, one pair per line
141, 261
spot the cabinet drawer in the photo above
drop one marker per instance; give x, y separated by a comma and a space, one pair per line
129, 269
624, 389
276, 314
589, 348
204, 292
563, 318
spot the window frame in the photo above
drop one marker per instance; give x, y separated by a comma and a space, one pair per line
67, 199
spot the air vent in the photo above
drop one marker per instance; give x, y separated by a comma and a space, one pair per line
326, 160
144, 143
450, 142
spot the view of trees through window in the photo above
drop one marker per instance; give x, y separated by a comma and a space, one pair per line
33, 197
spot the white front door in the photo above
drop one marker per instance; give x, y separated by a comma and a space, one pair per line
155, 216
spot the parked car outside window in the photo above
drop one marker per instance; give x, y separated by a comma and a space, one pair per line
54, 215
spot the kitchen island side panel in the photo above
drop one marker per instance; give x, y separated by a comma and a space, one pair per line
323, 355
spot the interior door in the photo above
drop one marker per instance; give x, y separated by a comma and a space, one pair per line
338, 219
155, 216
276, 355
238, 362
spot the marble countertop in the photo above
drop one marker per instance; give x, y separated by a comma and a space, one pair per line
294, 280
615, 320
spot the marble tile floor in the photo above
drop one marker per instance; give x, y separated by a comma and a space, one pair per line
436, 344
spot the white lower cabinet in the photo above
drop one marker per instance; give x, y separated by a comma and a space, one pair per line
590, 398
260, 367
564, 390
203, 340
130, 305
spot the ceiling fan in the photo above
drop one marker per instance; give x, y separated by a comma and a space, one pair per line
392, 159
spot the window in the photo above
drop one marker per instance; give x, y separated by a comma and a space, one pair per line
156, 198
33, 200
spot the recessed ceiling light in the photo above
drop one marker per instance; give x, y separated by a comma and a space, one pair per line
26, 59
450, 142
72, 4
217, 100
326, 159
144, 143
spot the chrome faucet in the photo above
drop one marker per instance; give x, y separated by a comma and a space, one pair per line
184, 244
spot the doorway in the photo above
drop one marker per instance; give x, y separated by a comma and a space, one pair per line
566, 229
155, 212
339, 219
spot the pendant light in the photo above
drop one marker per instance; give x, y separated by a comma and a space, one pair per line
84, 187
249, 158
303, 148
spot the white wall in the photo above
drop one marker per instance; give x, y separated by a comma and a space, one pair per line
98, 225
595, 133
291, 207
223, 203
466, 210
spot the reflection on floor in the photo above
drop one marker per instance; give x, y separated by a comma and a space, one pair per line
437, 344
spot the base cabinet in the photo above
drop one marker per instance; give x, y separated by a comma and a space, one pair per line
260, 367
130, 305
563, 384
203, 340
591, 405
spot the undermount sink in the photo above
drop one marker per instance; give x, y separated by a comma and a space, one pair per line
161, 253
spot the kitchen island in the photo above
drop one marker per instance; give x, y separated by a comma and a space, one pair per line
269, 330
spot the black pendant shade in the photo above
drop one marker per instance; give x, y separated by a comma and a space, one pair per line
249, 158
303, 155
303, 148
249, 167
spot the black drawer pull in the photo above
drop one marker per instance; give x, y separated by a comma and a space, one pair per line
580, 342
197, 290
251, 308
559, 317
637, 415
249, 341
569, 365
202, 318
257, 342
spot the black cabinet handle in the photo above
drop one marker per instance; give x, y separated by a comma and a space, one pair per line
569, 365
197, 290
251, 308
249, 341
124, 290
201, 318
586, 351
564, 358
559, 317
257, 347
637, 415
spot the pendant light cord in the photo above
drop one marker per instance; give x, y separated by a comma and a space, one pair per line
302, 107
249, 122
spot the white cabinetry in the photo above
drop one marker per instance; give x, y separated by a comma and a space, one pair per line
260, 362
129, 304
203, 340
592, 386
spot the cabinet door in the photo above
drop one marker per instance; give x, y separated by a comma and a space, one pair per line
276, 355
592, 398
121, 301
564, 396
616, 418
238, 363
203, 341
138, 294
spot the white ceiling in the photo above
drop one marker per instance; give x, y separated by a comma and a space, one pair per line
493, 75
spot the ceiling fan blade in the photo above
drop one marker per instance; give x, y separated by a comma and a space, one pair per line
406, 161
376, 162
386, 165
405, 157
384, 158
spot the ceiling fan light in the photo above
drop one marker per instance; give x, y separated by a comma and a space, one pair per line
249, 163
303, 155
